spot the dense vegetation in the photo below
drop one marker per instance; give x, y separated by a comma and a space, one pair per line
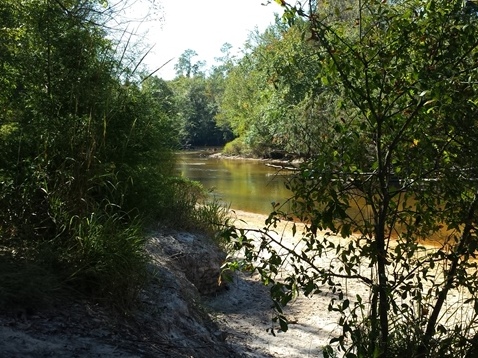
86, 155
197, 96
379, 98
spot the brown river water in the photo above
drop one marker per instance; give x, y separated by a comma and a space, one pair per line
252, 186
248, 185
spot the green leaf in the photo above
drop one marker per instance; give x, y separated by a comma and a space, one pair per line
284, 324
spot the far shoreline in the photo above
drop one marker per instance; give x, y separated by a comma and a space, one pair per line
217, 153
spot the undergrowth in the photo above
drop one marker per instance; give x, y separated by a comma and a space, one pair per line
100, 256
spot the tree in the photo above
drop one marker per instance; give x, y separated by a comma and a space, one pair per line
196, 99
225, 62
250, 93
270, 96
397, 170
185, 65
197, 108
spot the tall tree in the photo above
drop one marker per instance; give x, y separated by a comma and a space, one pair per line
196, 103
225, 62
186, 66
271, 97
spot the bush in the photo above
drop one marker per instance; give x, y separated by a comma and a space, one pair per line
236, 147
389, 200
85, 154
210, 217
192, 208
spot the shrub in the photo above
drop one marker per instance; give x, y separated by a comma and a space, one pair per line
236, 147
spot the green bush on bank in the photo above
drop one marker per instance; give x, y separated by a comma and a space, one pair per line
193, 208
236, 147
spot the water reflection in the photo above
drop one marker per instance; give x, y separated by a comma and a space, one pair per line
245, 184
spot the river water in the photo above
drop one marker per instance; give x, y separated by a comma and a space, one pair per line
247, 185
250, 185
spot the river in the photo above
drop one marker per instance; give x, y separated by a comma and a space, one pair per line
247, 185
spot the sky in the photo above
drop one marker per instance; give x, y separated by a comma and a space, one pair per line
203, 26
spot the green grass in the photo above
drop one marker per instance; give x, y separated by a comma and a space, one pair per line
107, 259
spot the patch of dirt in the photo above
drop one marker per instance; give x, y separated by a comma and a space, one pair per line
183, 313
171, 320
70, 330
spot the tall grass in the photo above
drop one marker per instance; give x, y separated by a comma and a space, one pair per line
197, 209
107, 258
86, 161
210, 216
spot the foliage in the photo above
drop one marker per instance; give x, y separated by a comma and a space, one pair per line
196, 99
247, 91
107, 258
271, 98
393, 174
210, 216
236, 147
86, 149
186, 67
194, 208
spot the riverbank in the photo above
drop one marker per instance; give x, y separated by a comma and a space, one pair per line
284, 164
169, 321
183, 313
246, 309
177, 317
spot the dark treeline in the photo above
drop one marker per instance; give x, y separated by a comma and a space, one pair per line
197, 95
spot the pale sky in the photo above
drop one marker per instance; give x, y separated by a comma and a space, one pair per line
204, 26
